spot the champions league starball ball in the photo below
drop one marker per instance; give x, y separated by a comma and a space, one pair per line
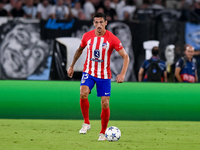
112, 134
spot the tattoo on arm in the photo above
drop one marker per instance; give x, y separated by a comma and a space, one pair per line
77, 54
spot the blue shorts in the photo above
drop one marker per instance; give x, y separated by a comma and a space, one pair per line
103, 86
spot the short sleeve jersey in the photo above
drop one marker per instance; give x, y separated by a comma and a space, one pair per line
99, 50
188, 71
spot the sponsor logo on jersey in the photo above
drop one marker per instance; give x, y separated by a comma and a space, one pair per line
96, 53
95, 59
188, 78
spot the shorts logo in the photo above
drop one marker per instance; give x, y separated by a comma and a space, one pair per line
82, 81
107, 93
96, 53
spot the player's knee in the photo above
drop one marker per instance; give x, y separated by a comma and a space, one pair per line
84, 95
105, 103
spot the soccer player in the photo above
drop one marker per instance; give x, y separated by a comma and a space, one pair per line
100, 44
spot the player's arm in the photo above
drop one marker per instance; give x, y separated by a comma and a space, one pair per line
196, 76
124, 55
165, 76
77, 54
140, 74
177, 74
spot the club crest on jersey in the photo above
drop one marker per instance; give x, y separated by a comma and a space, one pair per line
104, 45
96, 53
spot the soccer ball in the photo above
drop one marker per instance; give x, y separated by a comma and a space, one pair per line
113, 134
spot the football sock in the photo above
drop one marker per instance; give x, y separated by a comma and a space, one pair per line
105, 115
84, 103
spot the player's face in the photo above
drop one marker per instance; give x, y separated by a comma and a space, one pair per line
189, 52
99, 24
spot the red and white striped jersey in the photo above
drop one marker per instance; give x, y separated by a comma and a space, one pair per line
99, 50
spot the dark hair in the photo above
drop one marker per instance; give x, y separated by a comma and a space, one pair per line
99, 15
146, 2
130, 2
43, 1
155, 51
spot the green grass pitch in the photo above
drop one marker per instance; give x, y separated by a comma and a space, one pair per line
63, 135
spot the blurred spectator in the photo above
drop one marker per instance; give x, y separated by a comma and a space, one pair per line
36, 2
17, 11
118, 5
9, 6
197, 7
153, 70
158, 4
173, 4
187, 4
68, 3
145, 5
73, 2
128, 10
3, 12
100, 10
77, 11
89, 9
138, 3
144, 12
126, 16
97, 4
81, 16
113, 4
60, 11
108, 11
44, 10
52, 2
29, 9
186, 70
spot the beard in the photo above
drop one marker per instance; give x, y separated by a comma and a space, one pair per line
99, 30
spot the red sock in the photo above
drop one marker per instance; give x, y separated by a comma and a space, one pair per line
84, 103
105, 115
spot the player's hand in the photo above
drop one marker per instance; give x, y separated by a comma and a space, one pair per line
120, 78
70, 72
